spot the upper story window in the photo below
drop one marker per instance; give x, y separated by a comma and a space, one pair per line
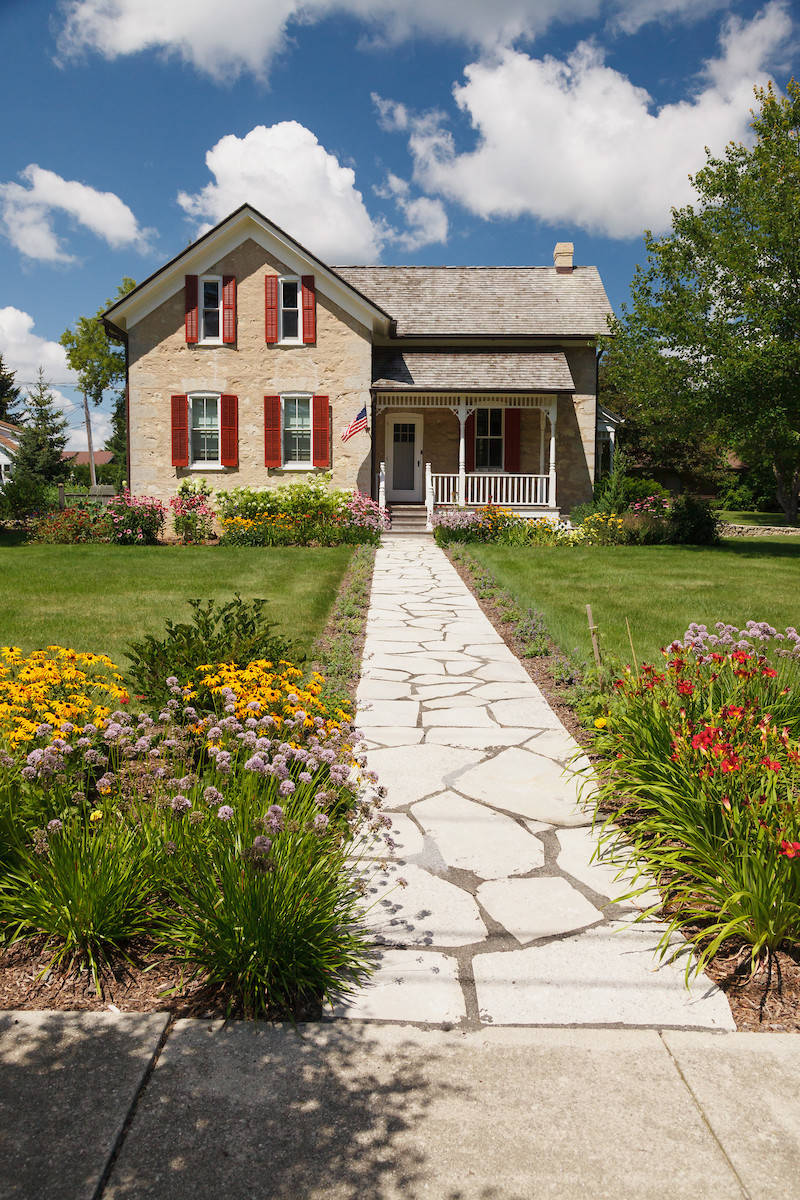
210, 308
210, 304
290, 310
488, 439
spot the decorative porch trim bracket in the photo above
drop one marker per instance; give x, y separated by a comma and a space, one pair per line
462, 411
382, 485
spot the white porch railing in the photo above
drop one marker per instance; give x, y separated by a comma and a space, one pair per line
509, 490
513, 491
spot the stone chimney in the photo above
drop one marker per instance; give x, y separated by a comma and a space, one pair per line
562, 257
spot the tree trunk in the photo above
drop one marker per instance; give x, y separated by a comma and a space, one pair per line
88, 419
787, 489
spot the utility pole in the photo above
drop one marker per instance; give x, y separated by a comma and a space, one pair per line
88, 419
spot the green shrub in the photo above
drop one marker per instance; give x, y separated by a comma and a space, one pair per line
690, 521
83, 886
70, 526
267, 905
236, 631
299, 514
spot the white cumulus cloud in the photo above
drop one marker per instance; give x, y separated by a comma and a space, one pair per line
425, 218
246, 35
24, 351
27, 212
283, 171
576, 143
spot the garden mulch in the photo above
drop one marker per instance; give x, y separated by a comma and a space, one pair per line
765, 1002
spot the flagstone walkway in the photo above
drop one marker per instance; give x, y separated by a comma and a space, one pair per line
503, 919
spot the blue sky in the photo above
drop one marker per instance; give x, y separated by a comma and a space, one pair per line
421, 131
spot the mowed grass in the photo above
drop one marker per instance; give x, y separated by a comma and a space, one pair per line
660, 589
99, 598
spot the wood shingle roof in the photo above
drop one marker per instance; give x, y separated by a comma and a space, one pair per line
486, 301
470, 370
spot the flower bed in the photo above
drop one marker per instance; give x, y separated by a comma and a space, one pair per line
700, 760
127, 520
230, 837
299, 515
492, 523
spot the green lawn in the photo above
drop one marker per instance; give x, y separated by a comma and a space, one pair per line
661, 589
99, 598
752, 518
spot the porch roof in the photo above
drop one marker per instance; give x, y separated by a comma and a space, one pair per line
465, 371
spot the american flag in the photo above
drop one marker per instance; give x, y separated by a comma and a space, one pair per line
356, 425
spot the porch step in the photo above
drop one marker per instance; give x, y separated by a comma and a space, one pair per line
408, 518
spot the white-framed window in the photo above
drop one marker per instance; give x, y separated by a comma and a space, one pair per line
204, 433
296, 436
290, 309
210, 305
488, 439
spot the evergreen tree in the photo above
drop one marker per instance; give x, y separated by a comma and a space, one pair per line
9, 395
117, 442
38, 461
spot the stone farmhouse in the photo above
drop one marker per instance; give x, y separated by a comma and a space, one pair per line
248, 357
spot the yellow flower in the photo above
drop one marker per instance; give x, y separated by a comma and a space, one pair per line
95, 815
601, 723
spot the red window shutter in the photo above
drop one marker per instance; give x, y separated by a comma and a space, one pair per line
309, 309
271, 307
229, 308
272, 430
320, 426
469, 438
229, 431
190, 305
180, 431
511, 440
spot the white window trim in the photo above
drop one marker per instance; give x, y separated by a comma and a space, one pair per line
202, 339
492, 470
298, 466
290, 341
205, 464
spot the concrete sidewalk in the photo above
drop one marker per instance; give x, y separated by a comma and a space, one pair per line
356, 1111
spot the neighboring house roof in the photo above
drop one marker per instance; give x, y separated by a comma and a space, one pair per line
8, 443
487, 301
80, 458
472, 371
201, 255
10, 435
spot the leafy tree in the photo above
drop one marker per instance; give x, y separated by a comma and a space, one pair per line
38, 461
709, 348
9, 395
117, 442
98, 362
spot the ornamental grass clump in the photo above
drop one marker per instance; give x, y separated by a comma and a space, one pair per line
225, 828
700, 760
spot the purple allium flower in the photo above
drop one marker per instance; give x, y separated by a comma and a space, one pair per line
262, 844
212, 795
169, 848
286, 787
274, 819
171, 681
28, 773
90, 729
55, 826
164, 715
304, 777
67, 727
225, 812
43, 729
82, 743
321, 822
180, 803
214, 733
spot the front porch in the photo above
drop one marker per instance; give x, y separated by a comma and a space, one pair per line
441, 451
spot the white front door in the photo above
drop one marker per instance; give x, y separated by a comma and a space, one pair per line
403, 457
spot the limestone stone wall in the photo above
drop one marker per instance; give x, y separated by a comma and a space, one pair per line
575, 432
161, 364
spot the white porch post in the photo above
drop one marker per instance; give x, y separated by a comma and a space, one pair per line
382, 485
462, 412
428, 498
551, 490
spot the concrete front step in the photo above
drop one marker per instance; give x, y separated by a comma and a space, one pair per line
408, 518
